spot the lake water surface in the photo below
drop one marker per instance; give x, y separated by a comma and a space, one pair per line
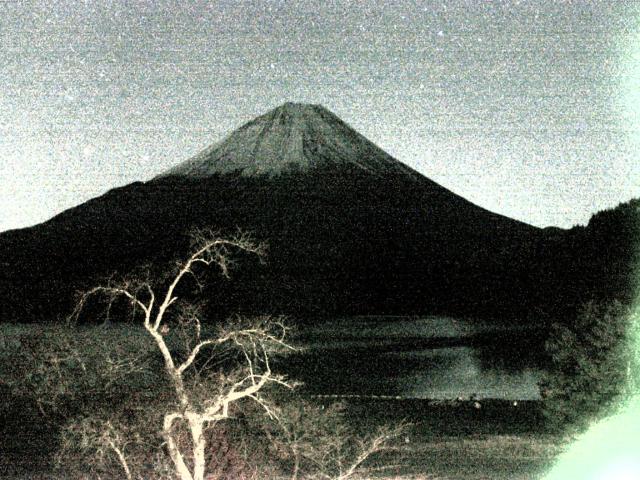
418, 357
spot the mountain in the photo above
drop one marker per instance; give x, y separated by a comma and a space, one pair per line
350, 230
292, 137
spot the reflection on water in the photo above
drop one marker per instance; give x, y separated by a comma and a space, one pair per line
453, 372
382, 356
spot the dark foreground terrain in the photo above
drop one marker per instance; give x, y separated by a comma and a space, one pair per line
458, 440
446, 440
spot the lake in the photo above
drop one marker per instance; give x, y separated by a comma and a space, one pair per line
418, 357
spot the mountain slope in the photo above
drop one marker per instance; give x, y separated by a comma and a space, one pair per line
292, 137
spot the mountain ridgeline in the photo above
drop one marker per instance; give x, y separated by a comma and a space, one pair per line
350, 230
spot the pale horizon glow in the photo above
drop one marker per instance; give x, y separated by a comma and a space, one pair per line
528, 109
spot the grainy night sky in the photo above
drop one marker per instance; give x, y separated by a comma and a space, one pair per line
527, 108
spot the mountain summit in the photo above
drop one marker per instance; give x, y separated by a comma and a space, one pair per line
291, 137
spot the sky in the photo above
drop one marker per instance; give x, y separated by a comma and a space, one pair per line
528, 108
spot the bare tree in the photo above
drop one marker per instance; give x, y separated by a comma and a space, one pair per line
183, 379
255, 340
97, 440
323, 447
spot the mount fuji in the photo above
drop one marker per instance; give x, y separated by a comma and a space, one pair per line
350, 229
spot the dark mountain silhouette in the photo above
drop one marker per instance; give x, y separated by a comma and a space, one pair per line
351, 231
598, 261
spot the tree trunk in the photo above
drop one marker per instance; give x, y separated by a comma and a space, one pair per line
174, 452
198, 439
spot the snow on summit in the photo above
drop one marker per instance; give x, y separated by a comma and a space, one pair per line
293, 136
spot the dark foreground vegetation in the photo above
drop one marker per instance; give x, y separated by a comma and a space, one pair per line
72, 393
67, 391
451, 440
49, 397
